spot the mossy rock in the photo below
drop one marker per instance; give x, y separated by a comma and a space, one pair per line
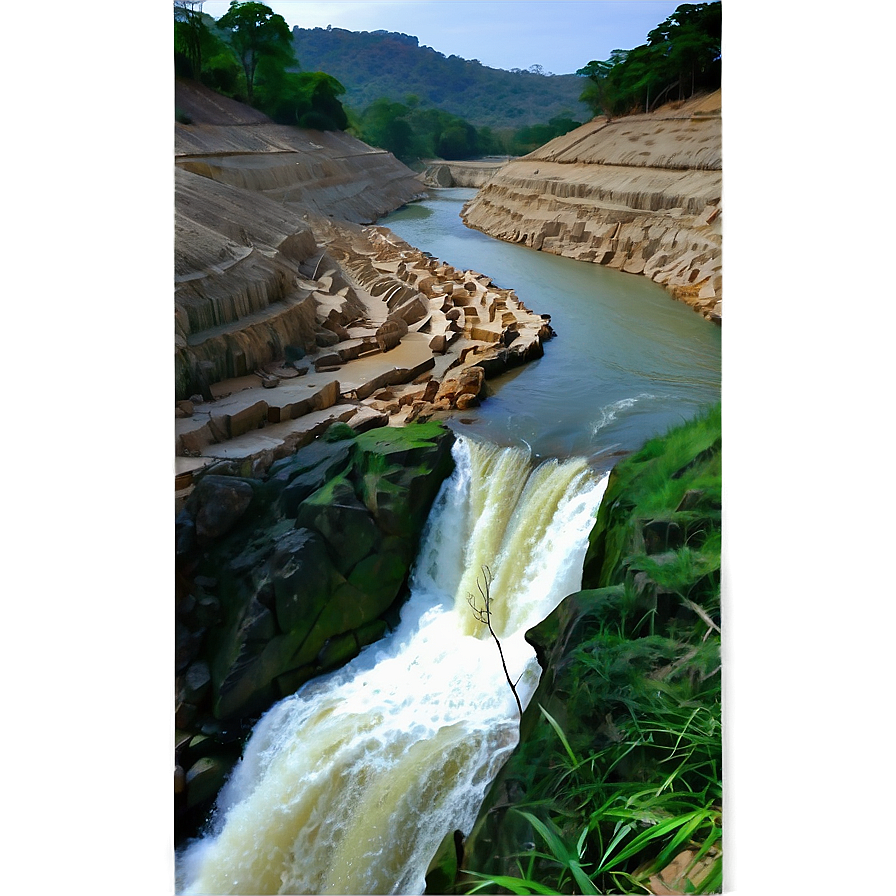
342, 520
309, 562
338, 432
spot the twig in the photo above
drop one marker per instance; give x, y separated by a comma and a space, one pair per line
483, 614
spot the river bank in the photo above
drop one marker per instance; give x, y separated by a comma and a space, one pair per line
641, 194
290, 314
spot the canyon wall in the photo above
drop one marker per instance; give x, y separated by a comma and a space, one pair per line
642, 194
328, 172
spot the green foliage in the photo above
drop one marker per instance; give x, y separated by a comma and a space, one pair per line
304, 99
682, 55
528, 139
412, 131
257, 33
617, 778
384, 65
202, 51
189, 34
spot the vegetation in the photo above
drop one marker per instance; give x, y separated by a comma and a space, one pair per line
616, 784
248, 55
412, 131
258, 35
682, 55
386, 65
456, 108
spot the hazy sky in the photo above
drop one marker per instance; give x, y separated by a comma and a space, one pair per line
559, 35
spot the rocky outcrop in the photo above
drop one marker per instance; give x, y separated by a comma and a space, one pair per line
461, 174
641, 194
287, 574
368, 341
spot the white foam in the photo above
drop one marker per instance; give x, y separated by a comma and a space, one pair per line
350, 785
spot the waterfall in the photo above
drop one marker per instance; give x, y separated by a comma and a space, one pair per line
350, 785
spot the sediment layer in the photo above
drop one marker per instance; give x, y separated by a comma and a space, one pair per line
641, 194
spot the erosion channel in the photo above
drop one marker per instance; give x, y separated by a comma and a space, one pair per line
351, 784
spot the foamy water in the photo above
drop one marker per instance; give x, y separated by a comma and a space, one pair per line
350, 785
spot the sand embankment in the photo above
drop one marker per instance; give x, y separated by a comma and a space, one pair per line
641, 194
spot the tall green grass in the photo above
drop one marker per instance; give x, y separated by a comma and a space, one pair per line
616, 786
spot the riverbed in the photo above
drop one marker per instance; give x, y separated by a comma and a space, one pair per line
628, 363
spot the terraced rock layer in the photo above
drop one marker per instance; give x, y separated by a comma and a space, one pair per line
278, 287
641, 194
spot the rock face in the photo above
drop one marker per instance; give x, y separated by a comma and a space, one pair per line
641, 194
288, 315
286, 575
316, 548
461, 174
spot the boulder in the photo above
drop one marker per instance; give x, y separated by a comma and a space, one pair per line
219, 502
325, 338
389, 334
411, 311
468, 382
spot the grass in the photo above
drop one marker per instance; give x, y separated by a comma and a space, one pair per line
616, 784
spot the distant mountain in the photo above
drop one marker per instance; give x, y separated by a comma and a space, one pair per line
374, 64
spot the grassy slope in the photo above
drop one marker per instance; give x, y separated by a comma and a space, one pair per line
616, 786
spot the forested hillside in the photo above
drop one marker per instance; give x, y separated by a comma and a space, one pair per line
380, 64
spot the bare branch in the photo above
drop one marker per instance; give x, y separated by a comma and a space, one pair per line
483, 615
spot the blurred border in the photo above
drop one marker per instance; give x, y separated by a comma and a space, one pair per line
810, 453
85, 466
86, 231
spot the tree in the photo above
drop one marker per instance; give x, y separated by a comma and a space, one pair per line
189, 31
596, 93
483, 614
684, 52
304, 99
257, 32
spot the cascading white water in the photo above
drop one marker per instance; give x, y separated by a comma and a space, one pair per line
350, 785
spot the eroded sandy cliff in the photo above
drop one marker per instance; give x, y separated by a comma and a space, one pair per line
641, 194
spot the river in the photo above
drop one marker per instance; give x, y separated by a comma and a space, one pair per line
351, 784
628, 362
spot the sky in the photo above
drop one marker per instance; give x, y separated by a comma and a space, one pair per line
559, 35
